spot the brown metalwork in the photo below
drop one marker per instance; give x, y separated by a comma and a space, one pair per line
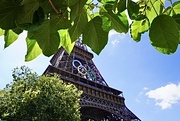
99, 102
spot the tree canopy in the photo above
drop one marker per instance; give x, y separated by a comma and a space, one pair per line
33, 98
54, 23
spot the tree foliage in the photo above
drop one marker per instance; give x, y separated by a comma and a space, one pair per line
33, 98
54, 23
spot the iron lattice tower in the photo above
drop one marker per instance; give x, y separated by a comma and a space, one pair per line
98, 101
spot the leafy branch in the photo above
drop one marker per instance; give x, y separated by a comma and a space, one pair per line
78, 15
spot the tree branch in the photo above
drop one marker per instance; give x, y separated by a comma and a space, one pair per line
55, 9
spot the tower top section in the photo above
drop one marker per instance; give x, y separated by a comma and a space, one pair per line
80, 66
98, 101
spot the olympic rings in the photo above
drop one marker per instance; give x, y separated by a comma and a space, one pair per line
76, 62
78, 65
82, 70
91, 74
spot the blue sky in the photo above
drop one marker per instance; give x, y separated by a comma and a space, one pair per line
150, 81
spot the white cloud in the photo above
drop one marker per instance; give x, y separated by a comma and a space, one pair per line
165, 96
140, 96
115, 42
113, 33
145, 88
115, 37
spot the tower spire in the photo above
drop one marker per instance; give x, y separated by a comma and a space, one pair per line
80, 44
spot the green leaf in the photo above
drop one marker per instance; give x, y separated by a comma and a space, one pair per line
135, 35
60, 22
95, 37
77, 9
177, 19
69, 3
66, 40
47, 38
1, 32
37, 19
137, 28
9, 37
109, 6
133, 9
33, 49
26, 13
47, 8
17, 30
8, 13
79, 24
121, 6
168, 11
164, 34
119, 22
106, 24
154, 8
93, 15
124, 21
176, 7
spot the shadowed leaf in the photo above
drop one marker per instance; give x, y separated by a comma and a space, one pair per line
49, 42
79, 24
8, 13
94, 36
164, 34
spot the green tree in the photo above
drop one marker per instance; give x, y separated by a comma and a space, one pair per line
54, 23
44, 98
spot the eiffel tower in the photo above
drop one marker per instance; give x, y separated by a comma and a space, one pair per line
99, 102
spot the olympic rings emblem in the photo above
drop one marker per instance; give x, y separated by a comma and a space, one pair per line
76, 63
81, 69
91, 73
